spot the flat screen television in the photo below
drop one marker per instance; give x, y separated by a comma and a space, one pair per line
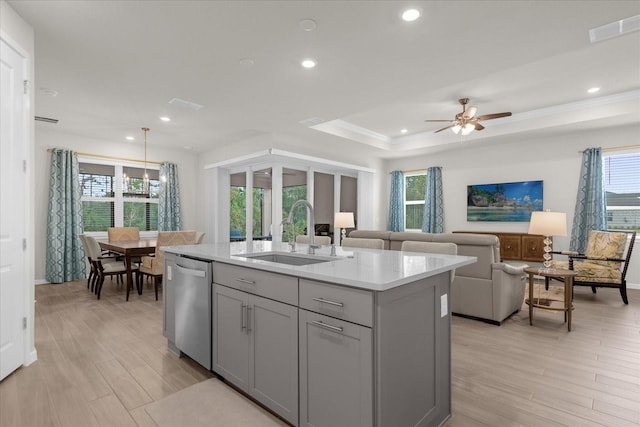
507, 201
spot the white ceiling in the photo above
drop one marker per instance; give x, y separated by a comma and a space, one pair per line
115, 65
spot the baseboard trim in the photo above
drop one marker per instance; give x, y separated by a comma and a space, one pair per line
42, 282
633, 286
31, 357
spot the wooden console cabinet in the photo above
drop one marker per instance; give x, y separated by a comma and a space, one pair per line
517, 246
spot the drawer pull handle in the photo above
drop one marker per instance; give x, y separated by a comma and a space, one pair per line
326, 326
250, 282
243, 316
326, 301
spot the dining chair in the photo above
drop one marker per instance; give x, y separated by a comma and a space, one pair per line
319, 240
92, 272
119, 234
357, 242
102, 269
153, 266
431, 248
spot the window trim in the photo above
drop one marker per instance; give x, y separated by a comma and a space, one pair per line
605, 156
118, 199
406, 202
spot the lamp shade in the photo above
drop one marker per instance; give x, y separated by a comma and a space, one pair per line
548, 223
343, 220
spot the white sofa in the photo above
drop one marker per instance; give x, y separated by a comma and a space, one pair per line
488, 290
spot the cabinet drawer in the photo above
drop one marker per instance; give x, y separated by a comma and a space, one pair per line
353, 305
269, 285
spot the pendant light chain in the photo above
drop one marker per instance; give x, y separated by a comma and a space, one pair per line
145, 181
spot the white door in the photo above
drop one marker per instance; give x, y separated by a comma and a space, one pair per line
13, 193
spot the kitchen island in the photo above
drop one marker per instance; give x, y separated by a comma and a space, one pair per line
361, 338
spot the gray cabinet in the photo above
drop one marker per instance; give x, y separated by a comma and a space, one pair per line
394, 373
336, 367
255, 347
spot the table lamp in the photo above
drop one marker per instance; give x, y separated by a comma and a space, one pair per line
343, 220
548, 224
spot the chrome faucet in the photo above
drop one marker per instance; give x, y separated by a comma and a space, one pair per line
310, 228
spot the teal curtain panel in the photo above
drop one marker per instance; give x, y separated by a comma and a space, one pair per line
169, 216
591, 206
64, 255
433, 219
396, 202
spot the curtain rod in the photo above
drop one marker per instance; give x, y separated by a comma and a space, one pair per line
412, 170
623, 147
102, 156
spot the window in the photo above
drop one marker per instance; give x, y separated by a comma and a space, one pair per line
109, 202
290, 195
414, 191
622, 189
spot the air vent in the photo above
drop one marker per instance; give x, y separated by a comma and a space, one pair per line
185, 104
614, 29
46, 119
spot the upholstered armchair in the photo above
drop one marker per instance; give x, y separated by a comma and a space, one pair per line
604, 263
153, 266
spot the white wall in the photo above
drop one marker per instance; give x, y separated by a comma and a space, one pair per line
46, 137
555, 160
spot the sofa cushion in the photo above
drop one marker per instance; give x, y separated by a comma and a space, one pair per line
397, 237
372, 234
485, 247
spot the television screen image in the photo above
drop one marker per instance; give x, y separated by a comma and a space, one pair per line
509, 201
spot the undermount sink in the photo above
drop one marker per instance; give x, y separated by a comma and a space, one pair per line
288, 258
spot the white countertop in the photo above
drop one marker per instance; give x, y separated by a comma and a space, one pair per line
371, 269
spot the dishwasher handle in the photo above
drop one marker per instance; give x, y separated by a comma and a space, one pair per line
190, 271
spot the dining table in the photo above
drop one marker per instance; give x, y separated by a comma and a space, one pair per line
130, 249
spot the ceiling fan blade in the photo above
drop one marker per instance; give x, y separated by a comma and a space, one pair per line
478, 126
493, 116
438, 120
448, 127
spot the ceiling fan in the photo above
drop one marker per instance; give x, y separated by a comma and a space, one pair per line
467, 121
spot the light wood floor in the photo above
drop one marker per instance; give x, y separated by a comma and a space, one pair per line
100, 362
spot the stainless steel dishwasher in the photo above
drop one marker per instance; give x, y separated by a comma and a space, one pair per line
192, 281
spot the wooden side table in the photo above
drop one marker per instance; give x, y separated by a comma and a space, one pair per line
546, 303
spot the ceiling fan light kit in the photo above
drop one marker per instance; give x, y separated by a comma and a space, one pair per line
466, 121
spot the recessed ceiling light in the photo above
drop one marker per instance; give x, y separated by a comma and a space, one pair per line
165, 119
403, 131
309, 63
410, 15
593, 90
130, 138
308, 25
247, 62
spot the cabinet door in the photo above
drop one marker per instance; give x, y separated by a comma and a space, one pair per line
533, 248
335, 372
273, 360
230, 338
510, 247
